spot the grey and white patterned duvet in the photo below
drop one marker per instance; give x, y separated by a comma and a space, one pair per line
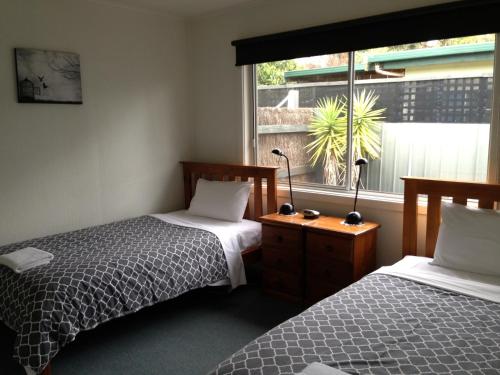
381, 325
101, 273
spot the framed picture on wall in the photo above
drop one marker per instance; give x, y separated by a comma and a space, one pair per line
48, 76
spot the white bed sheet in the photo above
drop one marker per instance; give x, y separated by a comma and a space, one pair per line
234, 237
419, 269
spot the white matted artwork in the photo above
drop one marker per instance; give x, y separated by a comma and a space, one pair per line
48, 76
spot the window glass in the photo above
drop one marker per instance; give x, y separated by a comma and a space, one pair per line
304, 114
422, 109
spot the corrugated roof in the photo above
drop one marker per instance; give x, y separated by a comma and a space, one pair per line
414, 57
425, 53
321, 71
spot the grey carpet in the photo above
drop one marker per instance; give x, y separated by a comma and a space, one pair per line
184, 336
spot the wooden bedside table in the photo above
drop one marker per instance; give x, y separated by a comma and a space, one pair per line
306, 260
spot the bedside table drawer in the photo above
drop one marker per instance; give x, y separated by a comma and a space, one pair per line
322, 245
282, 260
338, 273
283, 282
280, 237
306, 260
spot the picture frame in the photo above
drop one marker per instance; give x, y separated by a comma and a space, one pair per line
44, 76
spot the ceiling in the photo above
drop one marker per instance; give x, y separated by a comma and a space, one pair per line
182, 7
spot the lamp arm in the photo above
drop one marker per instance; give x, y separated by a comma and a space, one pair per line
289, 180
357, 187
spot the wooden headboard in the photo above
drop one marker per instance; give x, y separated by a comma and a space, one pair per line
231, 172
486, 194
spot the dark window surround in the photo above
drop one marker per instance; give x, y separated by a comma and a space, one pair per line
448, 20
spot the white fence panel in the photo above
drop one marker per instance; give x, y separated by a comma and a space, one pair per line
437, 150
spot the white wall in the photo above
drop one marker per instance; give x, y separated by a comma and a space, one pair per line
217, 86
69, 166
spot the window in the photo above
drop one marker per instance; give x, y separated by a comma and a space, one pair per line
422, 109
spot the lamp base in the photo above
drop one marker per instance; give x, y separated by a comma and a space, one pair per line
353, 218
287, 209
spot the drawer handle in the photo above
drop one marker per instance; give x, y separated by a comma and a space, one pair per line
329, 248
279, 238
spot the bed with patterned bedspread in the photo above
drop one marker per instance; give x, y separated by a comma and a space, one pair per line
382, 324
102, 273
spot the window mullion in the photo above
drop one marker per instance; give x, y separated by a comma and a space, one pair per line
255, 141
350, 101
494, 146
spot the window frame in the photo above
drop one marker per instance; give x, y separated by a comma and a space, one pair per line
251, 144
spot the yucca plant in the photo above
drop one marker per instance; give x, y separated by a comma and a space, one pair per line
329, 127
366, 126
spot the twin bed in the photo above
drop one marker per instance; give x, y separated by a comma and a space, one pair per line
409, 318
108, 271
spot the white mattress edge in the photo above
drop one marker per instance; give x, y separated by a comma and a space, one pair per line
419, 269
226, 232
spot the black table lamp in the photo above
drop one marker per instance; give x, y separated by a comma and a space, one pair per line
354, 217
286, 208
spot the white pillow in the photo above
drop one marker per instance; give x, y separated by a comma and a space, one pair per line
469, 239
225, 200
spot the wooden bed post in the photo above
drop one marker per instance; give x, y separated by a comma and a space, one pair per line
188, 187
410, 217
272, 193
433, 222
257, 194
